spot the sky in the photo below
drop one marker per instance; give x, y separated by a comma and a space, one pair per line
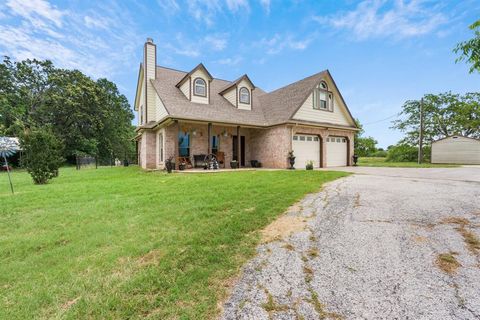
380, 53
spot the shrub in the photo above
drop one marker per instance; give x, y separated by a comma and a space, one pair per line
309, 165
42, 155
406, 153
380, 154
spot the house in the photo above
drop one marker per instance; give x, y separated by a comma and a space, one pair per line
187, 115
456, 149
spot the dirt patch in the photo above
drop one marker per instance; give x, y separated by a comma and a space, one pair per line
420, 239
151, 258
67, 305
283, 227
470, 239
447, 262
456, 220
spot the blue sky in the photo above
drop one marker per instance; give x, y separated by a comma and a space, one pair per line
381, 53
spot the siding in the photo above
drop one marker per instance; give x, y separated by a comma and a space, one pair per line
338, 116
141, 103
150, 64
457, 149
200, 74
231, 96
244, 106
185, 87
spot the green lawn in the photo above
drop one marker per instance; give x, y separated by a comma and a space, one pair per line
380, 162
118, 243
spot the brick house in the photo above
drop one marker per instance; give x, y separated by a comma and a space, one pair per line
187, 115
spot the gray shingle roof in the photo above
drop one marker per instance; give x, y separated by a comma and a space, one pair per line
267, 108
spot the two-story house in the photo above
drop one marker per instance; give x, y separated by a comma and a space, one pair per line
185, 115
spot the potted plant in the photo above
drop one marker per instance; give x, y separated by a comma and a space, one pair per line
291, 159
309, 165
181, 166
355, 159
169, 165
234, 164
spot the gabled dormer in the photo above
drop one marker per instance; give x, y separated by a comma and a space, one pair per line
240, 93
195, 85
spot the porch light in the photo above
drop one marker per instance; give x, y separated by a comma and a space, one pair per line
194, 132
225, 133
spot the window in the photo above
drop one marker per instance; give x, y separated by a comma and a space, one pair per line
315, 138
215, 141
244, 95
141, 115
344, 140
160, 147
339, 140
199, 87
295, 138
309, 138
302, 138
184, 144
322, 98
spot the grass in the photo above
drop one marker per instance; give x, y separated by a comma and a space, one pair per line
118, 243
447, 262
381, 162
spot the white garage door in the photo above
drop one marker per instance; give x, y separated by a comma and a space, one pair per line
306, 148
336, 151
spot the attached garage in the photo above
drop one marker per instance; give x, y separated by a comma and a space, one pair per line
306, 148
456, 149
337, 151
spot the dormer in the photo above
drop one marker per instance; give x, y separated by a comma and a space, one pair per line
195, 85
240, 93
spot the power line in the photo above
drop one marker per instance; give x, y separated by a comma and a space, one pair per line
395, 115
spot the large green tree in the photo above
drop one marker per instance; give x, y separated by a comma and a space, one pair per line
469, 50
89, 116
445, 114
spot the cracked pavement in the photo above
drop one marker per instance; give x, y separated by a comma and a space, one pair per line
369, 250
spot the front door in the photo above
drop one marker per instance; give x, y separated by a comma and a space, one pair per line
242, 149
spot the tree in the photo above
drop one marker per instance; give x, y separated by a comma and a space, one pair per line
42, 154
470, 50
445, 114
364, 146
88, 116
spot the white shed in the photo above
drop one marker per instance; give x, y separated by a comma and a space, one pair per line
456, 149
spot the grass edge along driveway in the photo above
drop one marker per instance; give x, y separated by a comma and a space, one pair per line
123, 243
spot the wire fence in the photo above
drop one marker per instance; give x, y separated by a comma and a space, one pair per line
90, 161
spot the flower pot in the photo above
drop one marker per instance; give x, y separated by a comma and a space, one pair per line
292, 162
233, 164
181, 167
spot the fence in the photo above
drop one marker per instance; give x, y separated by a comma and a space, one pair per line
89, 161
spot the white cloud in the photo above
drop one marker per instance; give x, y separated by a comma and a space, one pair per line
266, 5
277, 43
170, 6
230, 61
36, 11
235, 5
216, 42
376, 19
44, 32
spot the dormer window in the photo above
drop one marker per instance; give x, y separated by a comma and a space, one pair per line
244, 95
199, 87
322, 98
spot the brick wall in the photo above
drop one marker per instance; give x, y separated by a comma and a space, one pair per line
271, 146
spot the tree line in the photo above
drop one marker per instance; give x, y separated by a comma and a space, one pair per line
87, 116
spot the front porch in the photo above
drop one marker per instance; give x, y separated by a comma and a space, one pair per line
195, 141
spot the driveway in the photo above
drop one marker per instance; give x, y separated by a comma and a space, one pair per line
385, 243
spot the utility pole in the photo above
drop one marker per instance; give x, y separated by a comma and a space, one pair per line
420, 134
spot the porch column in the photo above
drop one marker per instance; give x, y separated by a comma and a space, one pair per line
175, 139
209, 134
238, 147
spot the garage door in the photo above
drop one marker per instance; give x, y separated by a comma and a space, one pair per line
306, 148
336, 151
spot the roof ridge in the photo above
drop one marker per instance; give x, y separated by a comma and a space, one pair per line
182, 71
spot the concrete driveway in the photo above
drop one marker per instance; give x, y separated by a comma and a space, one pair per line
385, 243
